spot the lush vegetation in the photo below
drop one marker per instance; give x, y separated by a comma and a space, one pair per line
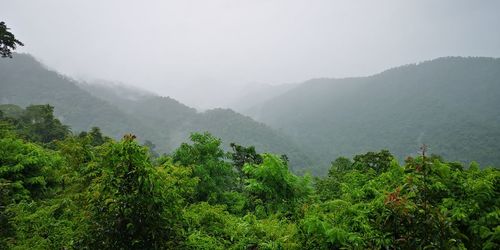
61, 190
66, 190
449, 103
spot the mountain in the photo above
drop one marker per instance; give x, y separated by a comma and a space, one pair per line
165, 112
255, 93
450, 104
25, 81
117, 110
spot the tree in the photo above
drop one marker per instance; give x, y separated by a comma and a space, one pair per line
8, 41
26, 173
242, 155
341, 164
329, 187
207, 160
151, 146
378, 161
39, 124
132, 204
96, 136
272, 184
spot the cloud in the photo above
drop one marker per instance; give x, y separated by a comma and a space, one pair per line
202, 51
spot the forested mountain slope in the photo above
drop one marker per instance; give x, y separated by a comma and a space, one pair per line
162, 120
25, 81
165, 113
451, 104
254, 94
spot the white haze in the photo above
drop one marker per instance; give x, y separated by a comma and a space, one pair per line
205, 52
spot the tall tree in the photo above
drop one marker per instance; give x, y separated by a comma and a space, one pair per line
207, 159
131, 203
40, 125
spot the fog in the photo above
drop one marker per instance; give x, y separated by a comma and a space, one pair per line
206, 53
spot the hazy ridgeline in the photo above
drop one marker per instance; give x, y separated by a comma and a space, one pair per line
118, 110
450, 104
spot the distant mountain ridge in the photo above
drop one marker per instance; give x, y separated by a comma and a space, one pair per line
452, 104
253, 94
118, 110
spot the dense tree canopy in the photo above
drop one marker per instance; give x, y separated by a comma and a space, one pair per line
88, 191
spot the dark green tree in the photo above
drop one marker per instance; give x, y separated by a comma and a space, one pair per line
242, 155
8, 41
341, 164
209, 164
26, 173
39, 124
272, 185
96, 136
130, 204
151, 146
378, 161
329, 186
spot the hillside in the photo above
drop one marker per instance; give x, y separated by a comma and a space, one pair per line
25, 81
450, 104
118, 110
254, 94
167, 113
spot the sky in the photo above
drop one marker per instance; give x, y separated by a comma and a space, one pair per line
205, 53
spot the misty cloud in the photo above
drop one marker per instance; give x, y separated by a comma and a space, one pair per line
203, 52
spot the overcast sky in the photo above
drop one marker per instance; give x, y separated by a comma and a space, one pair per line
201, 51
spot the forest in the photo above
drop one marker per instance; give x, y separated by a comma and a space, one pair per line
323, 164
65, 190
117, 110
448, 103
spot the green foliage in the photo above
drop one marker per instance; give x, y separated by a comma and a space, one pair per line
130, 203
96, 136
43, 126
207, 160
423, 204
242, 155
378, 161
48, 224
272, 185
90, 192
27, 173
26, 170
212, 227
36, 123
